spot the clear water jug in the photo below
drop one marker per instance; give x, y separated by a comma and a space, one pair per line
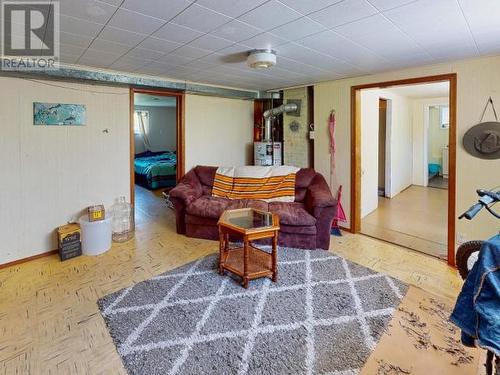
122, 221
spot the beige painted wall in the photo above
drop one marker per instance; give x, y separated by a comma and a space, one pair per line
477, 80
296, 144
219, 131
51, 173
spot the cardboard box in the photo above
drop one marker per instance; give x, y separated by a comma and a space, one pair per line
96, 213
70, 241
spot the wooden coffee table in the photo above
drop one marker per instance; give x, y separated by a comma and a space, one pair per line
248, 262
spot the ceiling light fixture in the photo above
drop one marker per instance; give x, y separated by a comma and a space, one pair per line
261, 58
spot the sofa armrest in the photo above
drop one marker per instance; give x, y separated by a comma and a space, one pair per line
188, 189
318, 195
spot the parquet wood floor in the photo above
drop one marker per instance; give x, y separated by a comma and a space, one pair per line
49, 320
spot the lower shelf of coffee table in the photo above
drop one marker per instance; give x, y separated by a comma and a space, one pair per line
259, 262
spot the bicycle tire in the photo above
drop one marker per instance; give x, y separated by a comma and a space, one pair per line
463, 253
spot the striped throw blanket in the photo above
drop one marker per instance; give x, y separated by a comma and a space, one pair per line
254, 182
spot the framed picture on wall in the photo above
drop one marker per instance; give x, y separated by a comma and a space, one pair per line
57, 114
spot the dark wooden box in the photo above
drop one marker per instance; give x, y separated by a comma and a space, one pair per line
70, 243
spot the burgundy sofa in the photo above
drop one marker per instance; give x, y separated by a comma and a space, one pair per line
304, 223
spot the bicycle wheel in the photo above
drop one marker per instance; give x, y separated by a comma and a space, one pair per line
463, 253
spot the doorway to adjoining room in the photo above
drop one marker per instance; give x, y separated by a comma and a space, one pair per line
404, 165
155, 124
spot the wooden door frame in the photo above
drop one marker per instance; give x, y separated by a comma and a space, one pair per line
356, 150
180, 96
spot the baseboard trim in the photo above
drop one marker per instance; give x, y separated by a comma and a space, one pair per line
24, 260
346, 229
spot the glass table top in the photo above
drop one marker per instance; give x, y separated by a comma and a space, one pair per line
247, 218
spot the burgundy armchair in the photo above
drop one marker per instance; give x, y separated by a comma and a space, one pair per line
304, 223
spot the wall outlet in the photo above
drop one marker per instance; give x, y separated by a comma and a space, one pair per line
461, 238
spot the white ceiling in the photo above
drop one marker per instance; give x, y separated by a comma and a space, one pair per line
428, 90
318, 40
147, 100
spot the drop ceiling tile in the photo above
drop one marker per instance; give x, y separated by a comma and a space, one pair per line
278, 71
96, 58
177, 33
76, 40
389, 4
295, 66
112, 2
145, 53
124, 66
152, 70
181, 71
228, 69
88, 10
68, 59
191, 52
231, 8
201, 19
311, 57
343, 49
233, 57
235, 48
343, 12
483, 18
157, 67
117, 35
270, 15
135, 22
264, 40
68, 49
235, 60
380, 35
211, 42
445, 27
298, 29
157, 8
107, 46
137, 61
173, 59
77, 26
306, 7
236, 31
200, 64
157, 44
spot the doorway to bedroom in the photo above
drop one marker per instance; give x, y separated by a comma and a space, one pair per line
156, 148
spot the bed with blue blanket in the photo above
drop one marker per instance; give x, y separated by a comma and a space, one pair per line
156, 170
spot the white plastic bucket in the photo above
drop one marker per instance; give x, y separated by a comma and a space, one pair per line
96, 235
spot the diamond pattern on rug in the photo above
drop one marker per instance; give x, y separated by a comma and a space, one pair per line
324, 315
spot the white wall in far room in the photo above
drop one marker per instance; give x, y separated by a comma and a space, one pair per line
51, 173
162, 129
398, 144
421, 136
219, 131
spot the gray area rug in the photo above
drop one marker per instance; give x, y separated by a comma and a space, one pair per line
323, 316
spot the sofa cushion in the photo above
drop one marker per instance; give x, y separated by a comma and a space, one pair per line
257, 205
213, 207
206, 176
203, 221
301, 230
294, 214
302, 181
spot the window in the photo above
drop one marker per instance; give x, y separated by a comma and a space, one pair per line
138, 115
444, 116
